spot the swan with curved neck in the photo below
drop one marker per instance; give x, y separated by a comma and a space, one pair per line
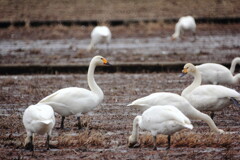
207, 97
75, 100
186, 23
218, 74
100, 34
167, 98
38, 119
165, 120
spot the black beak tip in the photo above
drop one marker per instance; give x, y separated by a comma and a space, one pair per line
108, 64
182, 75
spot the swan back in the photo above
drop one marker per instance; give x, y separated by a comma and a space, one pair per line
215, 73
157, 118
164, 98
39, 118
100, 34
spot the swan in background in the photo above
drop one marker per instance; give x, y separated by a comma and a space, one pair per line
219, 74
166, 98
159, 120
38, 119
77, 101
207, 97
100, 34
186, 23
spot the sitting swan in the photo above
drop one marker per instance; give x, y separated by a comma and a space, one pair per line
219, 74
159, 120
207, 97
100, 34
184, 24
38, 119
77, 101
166, 98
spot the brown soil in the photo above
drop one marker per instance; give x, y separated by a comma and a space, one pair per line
108, 127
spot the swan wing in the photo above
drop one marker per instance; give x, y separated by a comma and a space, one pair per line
72, 100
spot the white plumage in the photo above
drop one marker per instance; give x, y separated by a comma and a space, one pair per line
100, 34
186, 23
165, 120
207, 97
166, 98
77, 101
38, 119
218, 74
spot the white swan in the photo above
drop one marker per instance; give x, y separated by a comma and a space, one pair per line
184, 24
38, 119
165, 120
100, 34
207, 97
166, 98
77, 101
219, 74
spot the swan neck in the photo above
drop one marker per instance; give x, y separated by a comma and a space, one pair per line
236, 78
91, 81
209, 121
196, 83
177, 30
234, 63
135, 130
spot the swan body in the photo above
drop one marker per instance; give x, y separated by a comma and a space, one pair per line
77, 101
207, 97
218, 74
186, 23
166, 98
100, 34
38, 119
165, 119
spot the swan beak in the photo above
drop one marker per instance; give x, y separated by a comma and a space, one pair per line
105, 62
184, 72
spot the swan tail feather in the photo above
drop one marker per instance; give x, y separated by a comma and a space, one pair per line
235, 102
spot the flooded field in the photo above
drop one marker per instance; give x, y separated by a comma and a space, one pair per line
109, 125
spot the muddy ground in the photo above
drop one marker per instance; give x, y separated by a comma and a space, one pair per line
109, 125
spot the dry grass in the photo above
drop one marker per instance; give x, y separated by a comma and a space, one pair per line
193, 140
86, 138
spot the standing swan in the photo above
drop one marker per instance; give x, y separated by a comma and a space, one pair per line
207, 97
219, 74
100, 34
166, 98
38, 119
184, 24
77, 101
159, 120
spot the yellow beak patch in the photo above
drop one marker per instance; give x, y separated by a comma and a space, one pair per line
185, 70
104, 61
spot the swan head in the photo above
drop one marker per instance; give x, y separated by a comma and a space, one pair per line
131, 141
100, 60
189, 68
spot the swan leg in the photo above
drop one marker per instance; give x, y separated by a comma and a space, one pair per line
62, 122
29, 145
47, 142
154, 143
235, 102
212, 115
79, 123
169, 142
